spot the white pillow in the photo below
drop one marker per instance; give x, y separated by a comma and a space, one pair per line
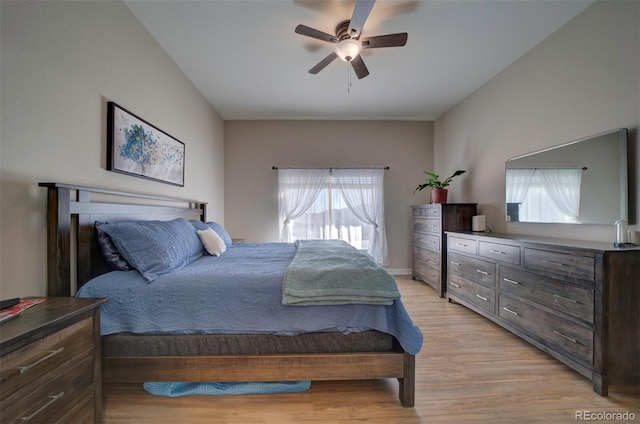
212, 242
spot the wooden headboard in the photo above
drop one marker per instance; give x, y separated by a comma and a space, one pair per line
71, 237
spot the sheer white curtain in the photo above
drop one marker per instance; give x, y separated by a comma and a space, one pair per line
538, 206
518, 183
297, 190
545, 195
363, 192
563, 187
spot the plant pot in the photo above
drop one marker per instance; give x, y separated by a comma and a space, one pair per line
439, 195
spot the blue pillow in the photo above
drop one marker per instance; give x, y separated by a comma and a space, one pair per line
224, 235
155, 247
109, 251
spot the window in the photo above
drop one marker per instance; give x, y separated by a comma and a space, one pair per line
545, 195
344, 204
330, 218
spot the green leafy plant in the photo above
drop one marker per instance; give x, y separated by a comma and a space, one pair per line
434, 181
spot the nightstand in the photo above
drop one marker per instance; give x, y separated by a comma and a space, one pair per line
50, 369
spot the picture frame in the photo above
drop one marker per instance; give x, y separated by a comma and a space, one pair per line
136, 147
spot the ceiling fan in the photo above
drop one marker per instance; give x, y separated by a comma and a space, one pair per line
348, 41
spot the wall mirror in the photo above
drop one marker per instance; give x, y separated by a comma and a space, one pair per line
580, 182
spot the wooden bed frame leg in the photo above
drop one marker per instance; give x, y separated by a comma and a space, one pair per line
408, 382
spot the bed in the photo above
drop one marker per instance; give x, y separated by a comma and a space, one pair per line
284, 354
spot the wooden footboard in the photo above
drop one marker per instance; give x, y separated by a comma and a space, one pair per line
291, 367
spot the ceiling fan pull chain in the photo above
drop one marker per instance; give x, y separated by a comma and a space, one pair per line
348, 78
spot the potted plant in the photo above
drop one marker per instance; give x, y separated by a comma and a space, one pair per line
438, 192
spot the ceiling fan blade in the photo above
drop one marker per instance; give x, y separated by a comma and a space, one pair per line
359, 17
323, 63
314, 33
389, 40
359, 67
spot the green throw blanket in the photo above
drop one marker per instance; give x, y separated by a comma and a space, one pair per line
332, 272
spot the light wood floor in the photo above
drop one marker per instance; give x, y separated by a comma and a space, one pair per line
469, 370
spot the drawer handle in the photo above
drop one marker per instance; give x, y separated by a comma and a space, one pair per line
482, 272
565, 298
455, 285
432, 242
454, 263
554, 263
511, 281
51, 354
46, 405
497, 251
564, 336
461, 244
511, 312
482, 297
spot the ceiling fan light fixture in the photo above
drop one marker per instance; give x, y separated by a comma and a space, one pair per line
348, 49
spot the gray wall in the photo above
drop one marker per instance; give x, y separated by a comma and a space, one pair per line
60, 63
253, 147
582, 80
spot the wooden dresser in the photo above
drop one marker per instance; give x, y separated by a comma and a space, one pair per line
50, 363
577, 301
429, 242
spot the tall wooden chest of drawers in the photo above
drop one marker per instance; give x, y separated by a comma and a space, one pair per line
575, 300
50, 363
429, 242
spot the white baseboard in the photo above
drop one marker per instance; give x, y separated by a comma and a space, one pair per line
400, 271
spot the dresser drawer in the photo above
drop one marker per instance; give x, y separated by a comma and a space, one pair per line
550, 328
566, 298
21, 367
563, 264
474, 270
427, 241
499, 252
427, 273
432, 211
427, 256
461, 244
480, 296
54, 398
427, 225
83, 412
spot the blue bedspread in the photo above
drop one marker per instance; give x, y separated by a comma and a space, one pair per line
239, 292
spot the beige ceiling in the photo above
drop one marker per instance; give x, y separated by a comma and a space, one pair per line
245, 58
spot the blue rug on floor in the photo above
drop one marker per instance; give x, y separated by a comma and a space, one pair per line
175, 389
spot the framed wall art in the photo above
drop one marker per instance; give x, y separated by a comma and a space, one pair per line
136, 147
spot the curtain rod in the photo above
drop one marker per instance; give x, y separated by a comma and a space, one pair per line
584, 168
275, 168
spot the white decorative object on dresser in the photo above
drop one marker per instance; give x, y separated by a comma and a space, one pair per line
429, 242
575, 300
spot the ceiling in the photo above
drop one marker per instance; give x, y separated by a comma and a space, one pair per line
245, 58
